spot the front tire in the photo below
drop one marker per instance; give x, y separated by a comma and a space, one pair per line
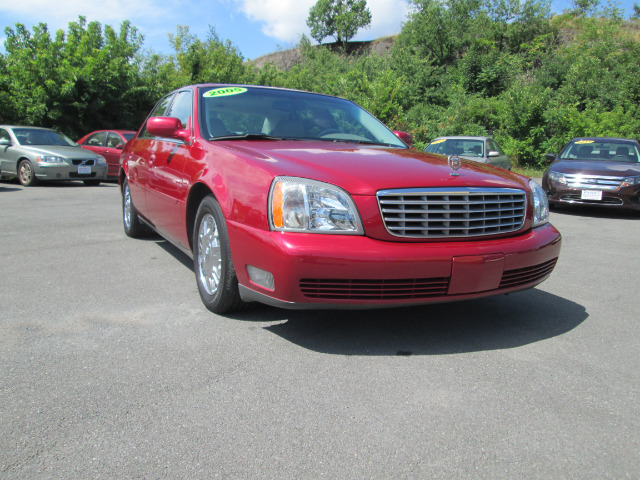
133, 226
26, 175
212, 262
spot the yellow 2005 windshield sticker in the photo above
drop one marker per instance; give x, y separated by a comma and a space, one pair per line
224, 92
579, 142
439, 141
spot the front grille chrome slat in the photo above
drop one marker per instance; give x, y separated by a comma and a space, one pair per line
592, 182
455, 213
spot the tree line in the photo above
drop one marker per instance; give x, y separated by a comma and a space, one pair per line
507, 68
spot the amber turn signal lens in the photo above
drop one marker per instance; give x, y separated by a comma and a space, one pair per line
276, 205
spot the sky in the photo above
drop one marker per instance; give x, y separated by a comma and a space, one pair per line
255, 27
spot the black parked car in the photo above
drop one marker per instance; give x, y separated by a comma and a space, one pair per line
595, 171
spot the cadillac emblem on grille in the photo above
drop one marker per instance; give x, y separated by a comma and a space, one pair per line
454, 163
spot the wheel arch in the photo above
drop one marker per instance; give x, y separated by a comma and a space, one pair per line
196, 194
121, 178
20, 159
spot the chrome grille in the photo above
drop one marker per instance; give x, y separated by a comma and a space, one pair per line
593, 182
452, 212
577, 198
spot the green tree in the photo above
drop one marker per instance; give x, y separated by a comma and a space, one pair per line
212, 60
76, 82
340, 19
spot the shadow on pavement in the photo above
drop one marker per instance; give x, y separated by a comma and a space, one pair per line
596, 212
500, 322
476, 325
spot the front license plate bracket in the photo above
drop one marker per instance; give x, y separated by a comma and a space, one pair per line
591, 195
476, 273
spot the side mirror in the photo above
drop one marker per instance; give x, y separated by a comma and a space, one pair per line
5, 142
550, 157
167, 127
405, 137
120, 146
493, 153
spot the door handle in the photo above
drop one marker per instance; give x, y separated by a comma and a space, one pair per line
152, 159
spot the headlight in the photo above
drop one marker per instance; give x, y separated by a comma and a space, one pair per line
303, 205
557, 177
50, 159
540, 204
629, 181
100, 160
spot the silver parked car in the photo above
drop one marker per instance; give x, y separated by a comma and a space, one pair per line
479, 149
33, 154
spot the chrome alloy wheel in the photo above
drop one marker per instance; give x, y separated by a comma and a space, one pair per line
26, 172
209, 254
127, 207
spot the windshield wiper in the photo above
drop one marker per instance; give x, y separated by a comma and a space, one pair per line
368, 142
247, 136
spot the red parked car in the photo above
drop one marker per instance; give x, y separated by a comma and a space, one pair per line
301, 200
109, 144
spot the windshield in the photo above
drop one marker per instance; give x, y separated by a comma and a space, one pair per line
457, 146
38, 136
256, 112
601, 150
128, 136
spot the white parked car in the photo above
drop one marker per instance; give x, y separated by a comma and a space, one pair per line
33, 154
479, 149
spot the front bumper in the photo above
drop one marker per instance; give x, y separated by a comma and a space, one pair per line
334, 271
623, 197
69, 172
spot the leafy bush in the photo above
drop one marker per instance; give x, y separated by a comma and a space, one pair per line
465, 67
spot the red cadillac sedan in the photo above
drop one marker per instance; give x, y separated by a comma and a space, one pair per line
302, 200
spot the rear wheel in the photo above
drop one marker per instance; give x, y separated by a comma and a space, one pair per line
133, 226
213, 266
26, 175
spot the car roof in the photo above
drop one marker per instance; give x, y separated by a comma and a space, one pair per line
265, 87
27, 126
112, 130
604, 139
461, 137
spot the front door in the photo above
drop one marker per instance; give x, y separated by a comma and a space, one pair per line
167, 186
138, 159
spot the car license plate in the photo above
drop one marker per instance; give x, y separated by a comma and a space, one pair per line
84, 170
591, 195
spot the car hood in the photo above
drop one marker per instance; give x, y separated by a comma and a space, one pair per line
67, 152
365, 169
589, 167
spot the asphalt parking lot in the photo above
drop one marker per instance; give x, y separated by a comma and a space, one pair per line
110, 367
